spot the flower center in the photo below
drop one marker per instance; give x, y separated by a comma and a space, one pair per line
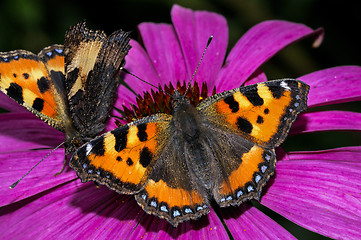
160, 101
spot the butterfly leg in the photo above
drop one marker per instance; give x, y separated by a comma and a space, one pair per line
62, 169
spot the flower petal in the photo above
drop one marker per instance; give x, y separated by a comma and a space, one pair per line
9, 104
345, 154
326, 120
14, 165
139, 64
257, 77
258, 45
80, 211
72, 211
161, 43
193, 29
250, 223
321, 195
208, 227
334, 85
26, 132
125, 98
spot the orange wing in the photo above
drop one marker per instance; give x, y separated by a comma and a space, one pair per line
140, 158
122, 159
35, 81
259, 118
246, 181
262, 113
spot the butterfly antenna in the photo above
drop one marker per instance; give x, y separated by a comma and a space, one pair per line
199, 63
158, 88
16, 183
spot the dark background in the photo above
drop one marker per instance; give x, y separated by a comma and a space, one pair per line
32, 25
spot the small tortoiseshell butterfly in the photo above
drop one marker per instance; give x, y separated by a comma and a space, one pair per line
70, 87
222, 150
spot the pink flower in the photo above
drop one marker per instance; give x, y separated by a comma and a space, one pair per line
317, 190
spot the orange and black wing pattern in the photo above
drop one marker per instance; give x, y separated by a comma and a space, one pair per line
222, 149
140, 158
35, 81
122, 159
245, 180
262, 113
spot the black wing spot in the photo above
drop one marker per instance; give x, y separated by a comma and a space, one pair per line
130, 162
15, 92
14, 74
43, 84
98, 146
233, 104
142, 134
38, 104
121, 137
146, 157
266, 111
277, 91
119, 159
26, 75
260, 119
244, 125
252, 95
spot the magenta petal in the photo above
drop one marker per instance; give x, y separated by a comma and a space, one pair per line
193, 29
161, 43
326, 120
139, 63
83, 211
258, 45
257, 77
320, 195
14, 165
208, 227
125, 98
334, 85
345, 154
26, 132
250, 223
9, 104
71, 211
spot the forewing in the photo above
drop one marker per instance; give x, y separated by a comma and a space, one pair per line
262, 113
123, 158
92, 62
36, 82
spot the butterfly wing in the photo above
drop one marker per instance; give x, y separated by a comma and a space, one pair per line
247, 124
92, 61
261, 113
141, 158
121, 158
36, 81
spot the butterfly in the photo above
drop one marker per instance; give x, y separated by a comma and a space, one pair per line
70, 87
221, 150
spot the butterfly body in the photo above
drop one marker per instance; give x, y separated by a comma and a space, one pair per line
70, 87
222, 150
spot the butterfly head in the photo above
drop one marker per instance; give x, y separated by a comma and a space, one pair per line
179, 100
